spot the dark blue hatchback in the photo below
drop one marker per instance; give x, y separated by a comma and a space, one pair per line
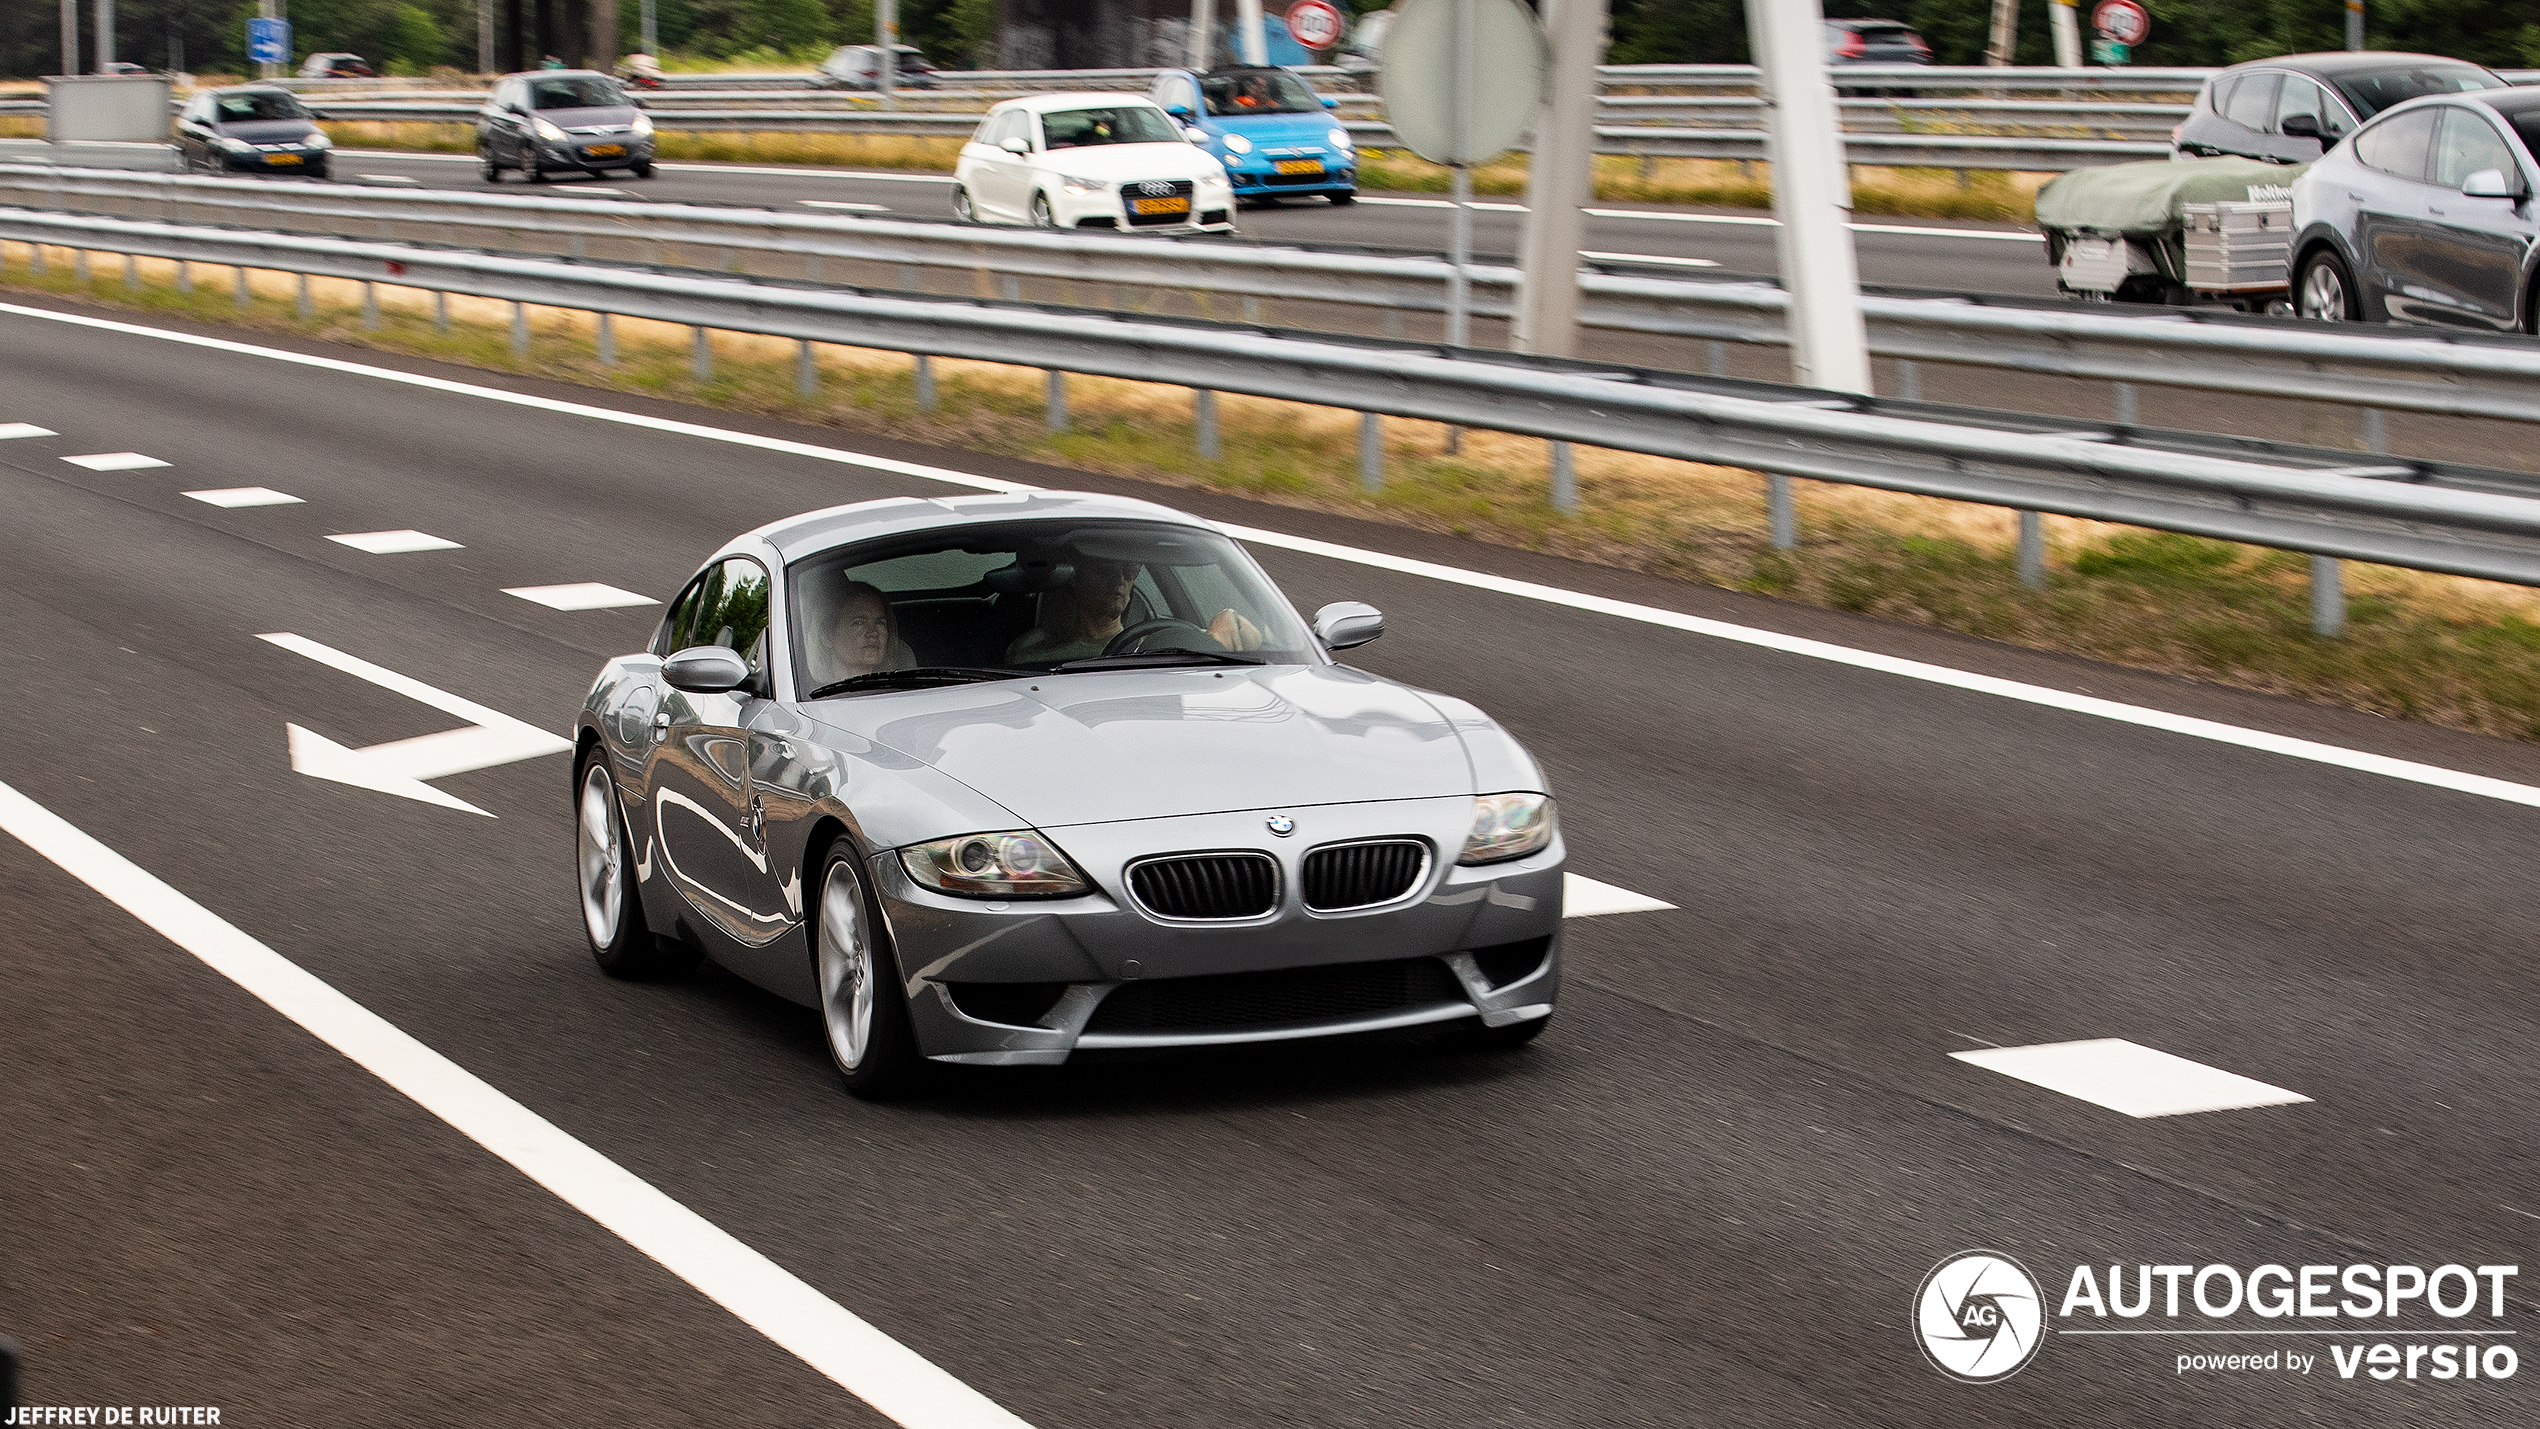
1275, 136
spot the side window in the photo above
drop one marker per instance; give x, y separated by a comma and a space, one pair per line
1178, 95
2252, 102
1015, 125
2300, 96
2466, 145
986, 133
732, 610
2398, 146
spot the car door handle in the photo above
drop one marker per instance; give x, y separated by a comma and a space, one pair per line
756, 820
661, 726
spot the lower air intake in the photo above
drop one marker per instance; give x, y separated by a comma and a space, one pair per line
1239, 1002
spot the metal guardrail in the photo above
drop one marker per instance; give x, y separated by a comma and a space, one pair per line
2371, 367
2427, 516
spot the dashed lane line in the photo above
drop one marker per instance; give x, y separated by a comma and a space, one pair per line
579, 595
845, 206
10, 431
2142, 716
1728, 220
760, 170
1583, 897
2124, 1076
394, 543
867, 1363
233, 496
115, 461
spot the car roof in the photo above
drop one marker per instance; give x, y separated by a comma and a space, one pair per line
554, 74
812, 532
2339, 62
1076, 99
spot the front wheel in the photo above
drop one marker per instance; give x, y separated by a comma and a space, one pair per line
612, 911
486, 168
1345, 199
863, 1011
1041, 215
2326, 292
962, 207
642, 171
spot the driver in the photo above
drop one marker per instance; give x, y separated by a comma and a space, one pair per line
1082, 618
862, 637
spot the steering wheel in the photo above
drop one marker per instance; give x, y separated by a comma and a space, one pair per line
1133, 640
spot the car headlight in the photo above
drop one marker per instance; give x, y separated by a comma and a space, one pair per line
236, 146
1237, 144
1021, 864
1507, 826
1340, 139
316, 139
546, 129
1216, 180
643, 124
1079, 186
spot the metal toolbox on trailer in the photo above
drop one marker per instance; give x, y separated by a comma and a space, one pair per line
2238, 247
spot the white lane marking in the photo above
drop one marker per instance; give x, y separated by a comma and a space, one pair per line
398, 179
246, 496
1587, 898
2358, 761
1650, 258
393, 543
2122, 1076
849, 207
1913, 232
400, 766
1734, 220
560, 190
805, 172
10, 431
115, 461
580, 595
1478, 205
862, 1360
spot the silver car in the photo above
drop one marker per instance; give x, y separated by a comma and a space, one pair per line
999, 779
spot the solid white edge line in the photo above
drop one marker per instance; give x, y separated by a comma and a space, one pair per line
865, 1362
2407, 770
684, 168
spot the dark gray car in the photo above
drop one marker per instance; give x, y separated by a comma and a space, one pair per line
2426, 215
561, 121
2293, 109
1001, 779
252, 130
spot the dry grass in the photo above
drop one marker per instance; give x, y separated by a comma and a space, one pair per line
2434, 648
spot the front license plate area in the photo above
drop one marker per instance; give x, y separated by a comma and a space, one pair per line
282, 158
1159, 205
606, 151
1300, 166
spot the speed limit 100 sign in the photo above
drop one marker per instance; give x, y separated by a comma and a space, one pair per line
2124, 21
1316, 25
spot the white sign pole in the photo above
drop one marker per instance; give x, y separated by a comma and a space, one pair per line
105, 36
2355, 25
1203, 46
1812, 196
2067, 25
1559, 180
886, 32
265, 9
1252, 43
2001, 49
70, 36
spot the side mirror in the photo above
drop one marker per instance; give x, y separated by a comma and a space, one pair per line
2490, 183
1179, 111
2300, 126
1348, 624
1195, 135
1330, 103
1018, 147
706, 670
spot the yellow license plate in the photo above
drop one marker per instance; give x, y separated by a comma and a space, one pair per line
1300, 166
605, 151
1159, 205
282, 158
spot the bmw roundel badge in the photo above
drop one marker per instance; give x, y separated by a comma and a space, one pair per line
1282, 825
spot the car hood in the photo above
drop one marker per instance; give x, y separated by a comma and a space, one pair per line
1175, 160
265, 131
1104, 746
1313, 128
610, 116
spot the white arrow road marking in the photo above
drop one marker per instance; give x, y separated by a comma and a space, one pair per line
1587, 898
400, 766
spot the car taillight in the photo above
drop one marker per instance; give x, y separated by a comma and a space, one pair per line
2177, 130
1919, 47
1850, 46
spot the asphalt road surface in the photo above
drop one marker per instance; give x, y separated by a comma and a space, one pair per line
1708, 1195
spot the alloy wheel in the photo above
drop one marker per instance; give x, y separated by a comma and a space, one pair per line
602, 859
2323, 293
846, 969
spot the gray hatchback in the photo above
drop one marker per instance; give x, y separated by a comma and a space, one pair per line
1001, 780
561, 121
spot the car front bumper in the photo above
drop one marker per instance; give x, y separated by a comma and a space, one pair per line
1212, 211
577, 153
1464, 944
304, 161
1266, 182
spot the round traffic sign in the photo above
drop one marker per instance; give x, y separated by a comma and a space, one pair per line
1314, 24
2124, 21
1471, 119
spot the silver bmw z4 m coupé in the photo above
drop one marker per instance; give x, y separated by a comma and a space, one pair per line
999, 779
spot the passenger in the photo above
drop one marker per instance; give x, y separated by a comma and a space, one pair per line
863, 637
1080, 619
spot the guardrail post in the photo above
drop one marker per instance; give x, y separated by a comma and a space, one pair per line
243, 296
1057, 414
1565, 480
1252, 308
608, 340
2376, 431
1716, 358
184, 276
440, 311
1784, 511
806, 370
811, 267
1204, 422
2328, 597
1013, 288
925, 383
79, 264
1371, 451
910, 279
35, 258
308, 300
132, 270
2032, 550
701, 360
370, 306
2123, 392
520, 329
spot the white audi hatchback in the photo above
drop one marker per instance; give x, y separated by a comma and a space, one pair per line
1090, 161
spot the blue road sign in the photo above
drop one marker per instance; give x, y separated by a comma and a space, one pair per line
268, 41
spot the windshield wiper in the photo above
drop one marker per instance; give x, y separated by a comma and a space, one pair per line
918, 678
1156, 659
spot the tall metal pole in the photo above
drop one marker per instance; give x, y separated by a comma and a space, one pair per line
2355, 24
70, 36
105, 36
886, 31
2002, 49
1460, 240
1812, 197
2065, 18
1203, 45
1251, 41
651, 23
485, 36
1558, 181
268, 69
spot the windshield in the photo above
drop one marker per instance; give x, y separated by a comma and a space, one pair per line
581, 91
1126, 124
1257, 91
263, 104
1032, 595
2376, 90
